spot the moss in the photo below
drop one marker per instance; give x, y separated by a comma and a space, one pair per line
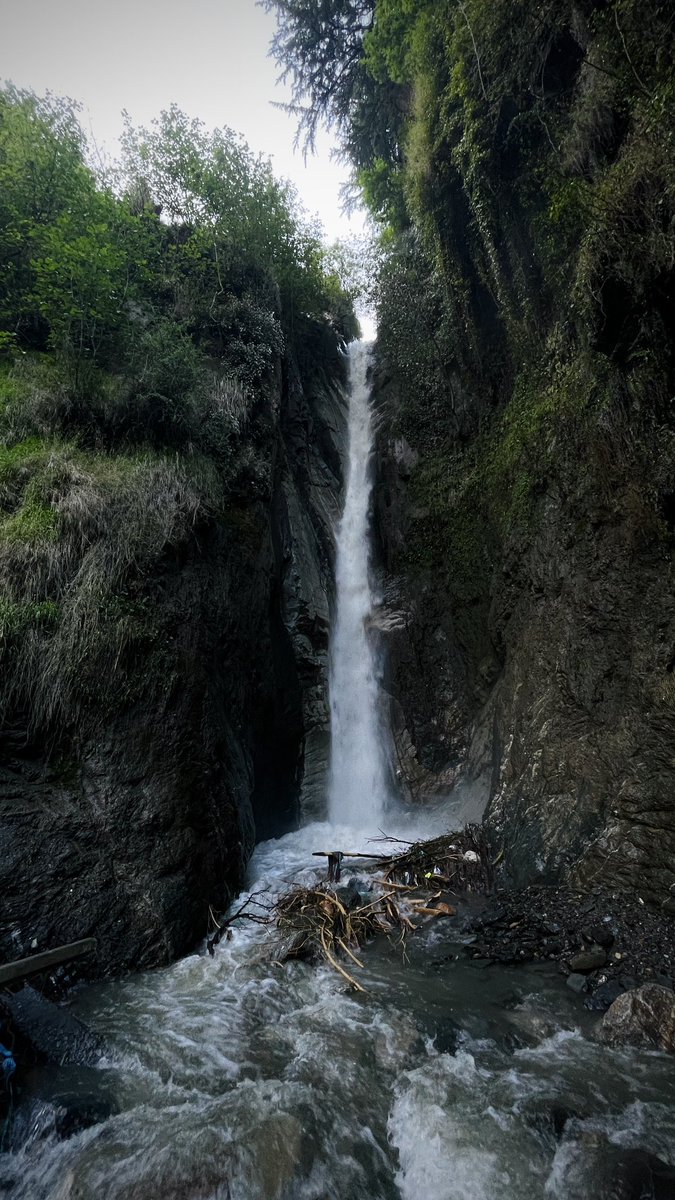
34, 521
20, 458
16, 618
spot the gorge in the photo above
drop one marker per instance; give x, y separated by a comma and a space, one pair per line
265, 592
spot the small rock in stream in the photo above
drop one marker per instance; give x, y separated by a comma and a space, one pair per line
604, 995
598, 935
576, 982
588, 960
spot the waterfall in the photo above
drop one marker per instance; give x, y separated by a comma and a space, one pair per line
358, 779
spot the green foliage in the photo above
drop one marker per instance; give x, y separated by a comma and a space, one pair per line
34, 521
15, 619
236, 220
139, 361
42, 177
80, 279
238, 268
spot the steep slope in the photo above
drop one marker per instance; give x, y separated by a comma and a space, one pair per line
201, 699
526, 378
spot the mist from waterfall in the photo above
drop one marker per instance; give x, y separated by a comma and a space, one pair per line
358, 775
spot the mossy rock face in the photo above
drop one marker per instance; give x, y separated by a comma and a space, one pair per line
528, 359
163, 655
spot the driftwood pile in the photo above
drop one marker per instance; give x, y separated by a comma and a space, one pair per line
317, 923
393, 895
461, 861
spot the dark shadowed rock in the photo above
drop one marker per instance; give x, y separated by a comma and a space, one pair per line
604, 995
642, 1017
54, 1033
637, 1175
548, 1116
131, 826
588, 960
595, 1169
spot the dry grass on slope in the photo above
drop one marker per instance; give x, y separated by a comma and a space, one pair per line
77, 532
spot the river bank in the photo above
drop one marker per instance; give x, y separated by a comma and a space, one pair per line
604, 941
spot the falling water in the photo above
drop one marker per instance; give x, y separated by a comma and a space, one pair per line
358, 787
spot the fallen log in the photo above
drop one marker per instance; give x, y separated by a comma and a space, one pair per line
37, 964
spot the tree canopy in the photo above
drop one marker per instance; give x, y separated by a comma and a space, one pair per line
190, 240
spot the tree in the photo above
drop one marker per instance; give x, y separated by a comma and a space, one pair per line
322, 50
42, 178
235, 228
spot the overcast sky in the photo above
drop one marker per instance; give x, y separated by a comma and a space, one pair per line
209, 56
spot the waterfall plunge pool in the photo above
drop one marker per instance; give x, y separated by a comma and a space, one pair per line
233, 1078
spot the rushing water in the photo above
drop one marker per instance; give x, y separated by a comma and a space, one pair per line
358, 782
238, 1078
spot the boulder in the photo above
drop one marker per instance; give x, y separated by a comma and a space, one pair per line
644, 1016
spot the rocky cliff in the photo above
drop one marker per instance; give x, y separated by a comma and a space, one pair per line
554, 703
137, 809
525, 497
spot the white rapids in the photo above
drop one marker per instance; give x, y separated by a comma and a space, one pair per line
236, 1078
358, 775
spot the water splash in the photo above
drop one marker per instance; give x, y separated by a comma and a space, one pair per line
358, 776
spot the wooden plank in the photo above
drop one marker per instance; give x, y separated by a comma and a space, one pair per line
330, 853
35, 964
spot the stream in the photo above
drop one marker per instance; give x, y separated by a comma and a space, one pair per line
234, 1077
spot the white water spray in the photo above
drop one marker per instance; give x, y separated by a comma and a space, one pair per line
358, 781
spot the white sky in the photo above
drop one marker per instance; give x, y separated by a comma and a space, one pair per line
209, 56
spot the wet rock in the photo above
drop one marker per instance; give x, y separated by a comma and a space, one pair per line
350, 895
591, 1168
642, 1017
554, 947
131, 829
526, 918
54, 1033
577, 983
598, 935
446, 1037
548, 1116
551, 928
637, 1175
604, 995
588, 960
494, 917
75, 1113
60, 1117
